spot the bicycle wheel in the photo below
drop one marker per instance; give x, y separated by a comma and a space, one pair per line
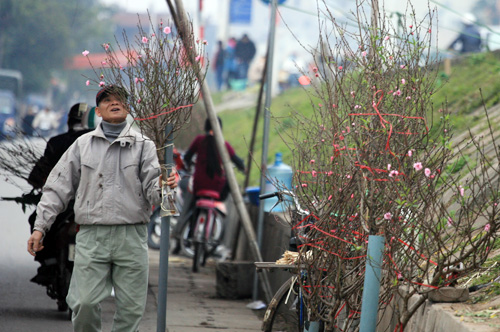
187, 243
284, 311
199, 255
199, 240
216, 234
154, 229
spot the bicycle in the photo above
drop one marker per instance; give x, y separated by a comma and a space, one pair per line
207, 230
286, 311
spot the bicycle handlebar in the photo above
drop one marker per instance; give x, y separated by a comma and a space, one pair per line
280, 195
268, 195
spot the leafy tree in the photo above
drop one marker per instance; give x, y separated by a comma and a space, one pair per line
37, 36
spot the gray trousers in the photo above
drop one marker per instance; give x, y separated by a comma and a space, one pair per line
105, 257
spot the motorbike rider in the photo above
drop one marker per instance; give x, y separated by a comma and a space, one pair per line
56, 146
208, 174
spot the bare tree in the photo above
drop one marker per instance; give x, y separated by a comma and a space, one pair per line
375, 158
159, 75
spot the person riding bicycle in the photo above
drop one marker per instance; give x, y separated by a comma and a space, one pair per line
208, 172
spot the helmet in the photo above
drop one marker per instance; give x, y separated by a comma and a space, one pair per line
89, 119
469, 19
76, 112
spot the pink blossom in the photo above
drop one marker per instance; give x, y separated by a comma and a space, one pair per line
145, 40
205, 42
450, 222
388, 216
314, 173
408, 98
417, 166
85, 53
106, 46
330, 173
139, 100
363, 53
462, 190
388, 167
167, 30
410, 153
386, 38
312, 161
402, 66
340, 67
330, 197
103, 62
315, 69
487, 227
393, 174
427, 172
400, 276
101, 84
197, 59
304, 184
403, 81
138, 79
87, 83
397, 93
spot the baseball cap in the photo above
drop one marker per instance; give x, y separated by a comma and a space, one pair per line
108, 90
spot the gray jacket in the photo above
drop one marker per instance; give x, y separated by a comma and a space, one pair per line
112, 183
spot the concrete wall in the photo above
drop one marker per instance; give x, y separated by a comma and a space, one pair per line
430, 317
275, 237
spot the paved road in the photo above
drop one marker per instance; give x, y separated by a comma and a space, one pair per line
24, 306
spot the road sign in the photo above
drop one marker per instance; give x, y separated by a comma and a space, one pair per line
240, 11
280, 2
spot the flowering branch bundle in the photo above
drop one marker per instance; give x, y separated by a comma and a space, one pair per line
371, 160
159, 76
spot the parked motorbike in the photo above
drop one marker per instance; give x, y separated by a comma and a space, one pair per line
56, 259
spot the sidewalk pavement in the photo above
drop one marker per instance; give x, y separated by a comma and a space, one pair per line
192, 305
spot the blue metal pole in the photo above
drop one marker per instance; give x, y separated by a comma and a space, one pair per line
371, 287
311, 326
161, 325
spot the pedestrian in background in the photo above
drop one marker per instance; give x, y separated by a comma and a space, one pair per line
27, 125
230, 66
113, 174
219, 65
469, 39
45, 122
245, 52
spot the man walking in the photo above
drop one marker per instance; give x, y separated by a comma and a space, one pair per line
245, 51
113, 174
